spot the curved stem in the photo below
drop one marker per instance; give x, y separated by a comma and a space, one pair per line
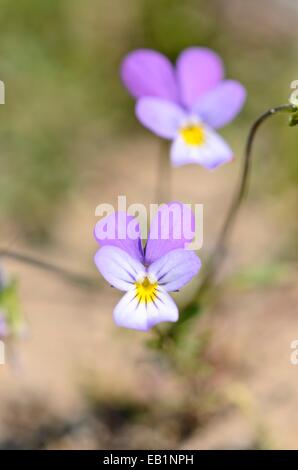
49, 267
217, 253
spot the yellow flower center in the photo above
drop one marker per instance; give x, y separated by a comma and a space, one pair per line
193, 134
146, 290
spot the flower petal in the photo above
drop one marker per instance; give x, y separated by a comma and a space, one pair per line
130, 313
219, 106
173, 227
213, 153
162, 309
3, 326
118, 267
175, 269
182, 154
162, 117
121, 230
198, 71
145, 72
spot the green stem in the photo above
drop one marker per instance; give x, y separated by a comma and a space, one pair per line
45, 266
217, 254
213, 262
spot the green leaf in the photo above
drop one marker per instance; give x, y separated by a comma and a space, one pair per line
293, 121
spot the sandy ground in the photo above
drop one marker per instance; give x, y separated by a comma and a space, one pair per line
73, 349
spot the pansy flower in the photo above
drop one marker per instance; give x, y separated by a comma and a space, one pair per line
185, 104
147, 274
3, 326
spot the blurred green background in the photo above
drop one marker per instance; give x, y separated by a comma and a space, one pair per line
60, 62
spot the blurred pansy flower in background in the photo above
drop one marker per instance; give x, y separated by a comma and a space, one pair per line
3, 326
147, 274
185, 104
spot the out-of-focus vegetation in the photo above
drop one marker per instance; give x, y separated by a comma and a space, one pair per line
60, 62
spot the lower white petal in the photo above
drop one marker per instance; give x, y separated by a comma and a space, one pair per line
163, 309
131, 313
181, 153
214, 152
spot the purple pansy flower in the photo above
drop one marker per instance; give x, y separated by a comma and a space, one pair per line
146, 274
185, 104
3, 326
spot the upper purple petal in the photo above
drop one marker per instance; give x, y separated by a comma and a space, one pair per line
175, 269
118, 267
219, 106
121, 230
173, 227
160, 116
145, 72
198, 71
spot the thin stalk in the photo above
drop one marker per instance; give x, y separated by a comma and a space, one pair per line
217, 254
45, 266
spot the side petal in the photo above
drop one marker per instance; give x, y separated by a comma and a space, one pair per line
175, 269
198, 70
146, 72
214, 152
219, 106
121, 230
160, 116
130, 313
173, 227
118, 267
